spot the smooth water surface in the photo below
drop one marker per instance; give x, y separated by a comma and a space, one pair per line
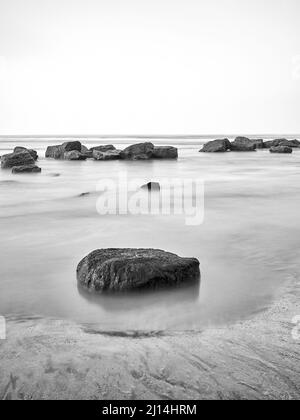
248, 244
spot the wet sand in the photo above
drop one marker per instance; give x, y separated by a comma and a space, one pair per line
253, 359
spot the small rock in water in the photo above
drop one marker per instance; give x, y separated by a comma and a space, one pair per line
281, 149
120, 270
26, 169
16, 159
216, 146
151, 186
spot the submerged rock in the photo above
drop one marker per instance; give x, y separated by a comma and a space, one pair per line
216, 146
74, 155
165, 152
26, 169
33, 153
120, 270
16, 159
281, 149
243, 144
109, 155
151, 186
141, 151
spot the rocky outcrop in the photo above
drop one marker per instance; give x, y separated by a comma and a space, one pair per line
165, 152
281, 149
16, 159
108, 155
243, 144
70, 146
259, 143
290, 143
216, 146
32, 152
120, 270
26, 169
151, 186
54, 152
282, 142
141, 151
58, 152
104, 148
74, 155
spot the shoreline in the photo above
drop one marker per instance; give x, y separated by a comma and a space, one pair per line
253, 359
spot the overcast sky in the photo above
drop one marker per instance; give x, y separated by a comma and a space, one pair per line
149, 66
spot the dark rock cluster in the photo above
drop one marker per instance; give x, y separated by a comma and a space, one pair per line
22, 160
244, 144
143, 151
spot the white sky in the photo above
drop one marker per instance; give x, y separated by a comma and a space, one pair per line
149, 66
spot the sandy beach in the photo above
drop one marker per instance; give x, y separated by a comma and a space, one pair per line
254, 359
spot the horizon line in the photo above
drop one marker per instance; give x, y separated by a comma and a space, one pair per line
144, 135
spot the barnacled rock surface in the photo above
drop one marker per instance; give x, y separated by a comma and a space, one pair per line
120, 270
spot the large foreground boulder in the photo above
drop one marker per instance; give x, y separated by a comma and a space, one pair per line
165, 152
243, 144
120, 270
141, 151
33, 153
281, 149
26, 169
216, 146
16, 159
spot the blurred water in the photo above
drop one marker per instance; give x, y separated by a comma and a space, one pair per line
248, 245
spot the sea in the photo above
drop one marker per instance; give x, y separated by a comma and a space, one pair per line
248, 242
